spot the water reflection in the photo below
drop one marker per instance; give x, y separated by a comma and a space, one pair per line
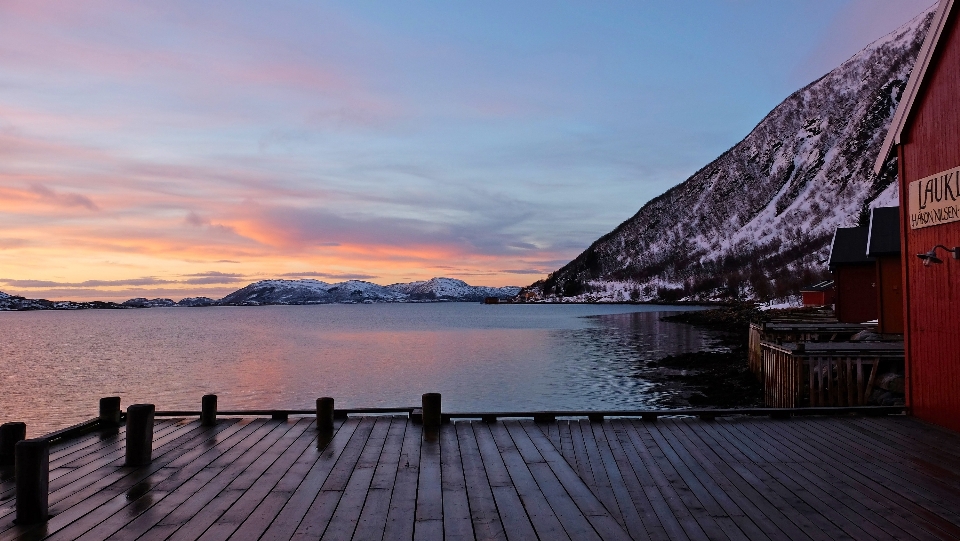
55, 365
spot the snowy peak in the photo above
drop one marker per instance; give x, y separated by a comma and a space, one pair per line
358, 291
756, 222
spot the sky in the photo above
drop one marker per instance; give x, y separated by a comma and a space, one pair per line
187, 148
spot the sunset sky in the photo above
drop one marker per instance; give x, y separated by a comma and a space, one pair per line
184, 148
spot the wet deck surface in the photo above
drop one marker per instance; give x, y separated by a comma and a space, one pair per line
383, 478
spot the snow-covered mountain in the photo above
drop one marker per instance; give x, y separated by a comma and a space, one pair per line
317, 292
452, 289
757, 221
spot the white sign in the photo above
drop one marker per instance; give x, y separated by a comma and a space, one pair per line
935, 200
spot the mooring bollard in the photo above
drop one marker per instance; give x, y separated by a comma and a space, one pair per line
140, 434
33, 478
431, 409
110, 411
208, 410
325, 413
10, 434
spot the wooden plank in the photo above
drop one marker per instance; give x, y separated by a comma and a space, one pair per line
562, 487
826, 502
457, 521
403, 502
812, 523
640, 507
900, 491
602, 487
429, 512
713, 496
373, 517
239, 464
148, 500
345, 518
770, 520
541, 514
582, 463
683, 502
517, 523
626, 513
566, 444
321, 510
886, 510
487, 525
85, 507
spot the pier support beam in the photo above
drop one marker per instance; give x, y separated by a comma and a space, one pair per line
140, 434
10, 434
208, 410
110, 411
325, 413
33, 480
431, 409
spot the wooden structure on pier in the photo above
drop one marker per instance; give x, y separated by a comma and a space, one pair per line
925, 138
854, 276
383, 477
819, 374
883, 245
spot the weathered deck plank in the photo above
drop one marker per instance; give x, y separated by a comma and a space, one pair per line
382, 477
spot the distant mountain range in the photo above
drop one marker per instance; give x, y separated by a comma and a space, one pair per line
294, 292
757, 221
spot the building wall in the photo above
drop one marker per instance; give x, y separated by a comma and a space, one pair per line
889, 295
931, 144
856, 294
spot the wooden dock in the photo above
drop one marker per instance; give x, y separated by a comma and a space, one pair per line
384, 477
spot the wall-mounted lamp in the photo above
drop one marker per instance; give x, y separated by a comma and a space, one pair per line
931, 256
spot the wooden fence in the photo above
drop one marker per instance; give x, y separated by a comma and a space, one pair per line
796, 378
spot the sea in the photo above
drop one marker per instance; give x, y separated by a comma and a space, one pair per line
55, 365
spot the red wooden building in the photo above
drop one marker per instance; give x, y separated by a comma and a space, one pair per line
854, 276
883, 244
819, 294
925, 137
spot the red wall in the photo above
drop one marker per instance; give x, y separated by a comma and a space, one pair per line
931, 144
856, 293
889, 295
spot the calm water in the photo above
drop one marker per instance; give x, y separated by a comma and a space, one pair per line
55, 365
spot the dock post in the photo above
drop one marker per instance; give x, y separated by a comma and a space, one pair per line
33, 479
208, 410
110, 411
325, 413
140, 434
431, 409
10, 434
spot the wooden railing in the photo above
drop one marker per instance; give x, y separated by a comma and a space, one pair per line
795, 377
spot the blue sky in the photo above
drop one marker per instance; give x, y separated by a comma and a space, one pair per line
187, 148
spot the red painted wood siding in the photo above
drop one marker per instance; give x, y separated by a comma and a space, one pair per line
931, 144
856, 293
889, 295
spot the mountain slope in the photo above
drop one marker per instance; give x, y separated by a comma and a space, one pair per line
317, 292
756, 222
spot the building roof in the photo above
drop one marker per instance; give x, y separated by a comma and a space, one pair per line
883, 237
850, 247
819, 286
915, 84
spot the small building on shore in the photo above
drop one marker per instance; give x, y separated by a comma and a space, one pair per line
819, 294
854, 276
925, 139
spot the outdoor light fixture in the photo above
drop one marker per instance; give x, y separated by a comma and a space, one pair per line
931, 256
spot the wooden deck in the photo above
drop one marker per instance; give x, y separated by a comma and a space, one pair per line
383, 477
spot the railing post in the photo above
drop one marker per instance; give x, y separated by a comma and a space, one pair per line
208, 410
10, 434
325, 413
431, 409
110, 411
33, 478
140, 434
